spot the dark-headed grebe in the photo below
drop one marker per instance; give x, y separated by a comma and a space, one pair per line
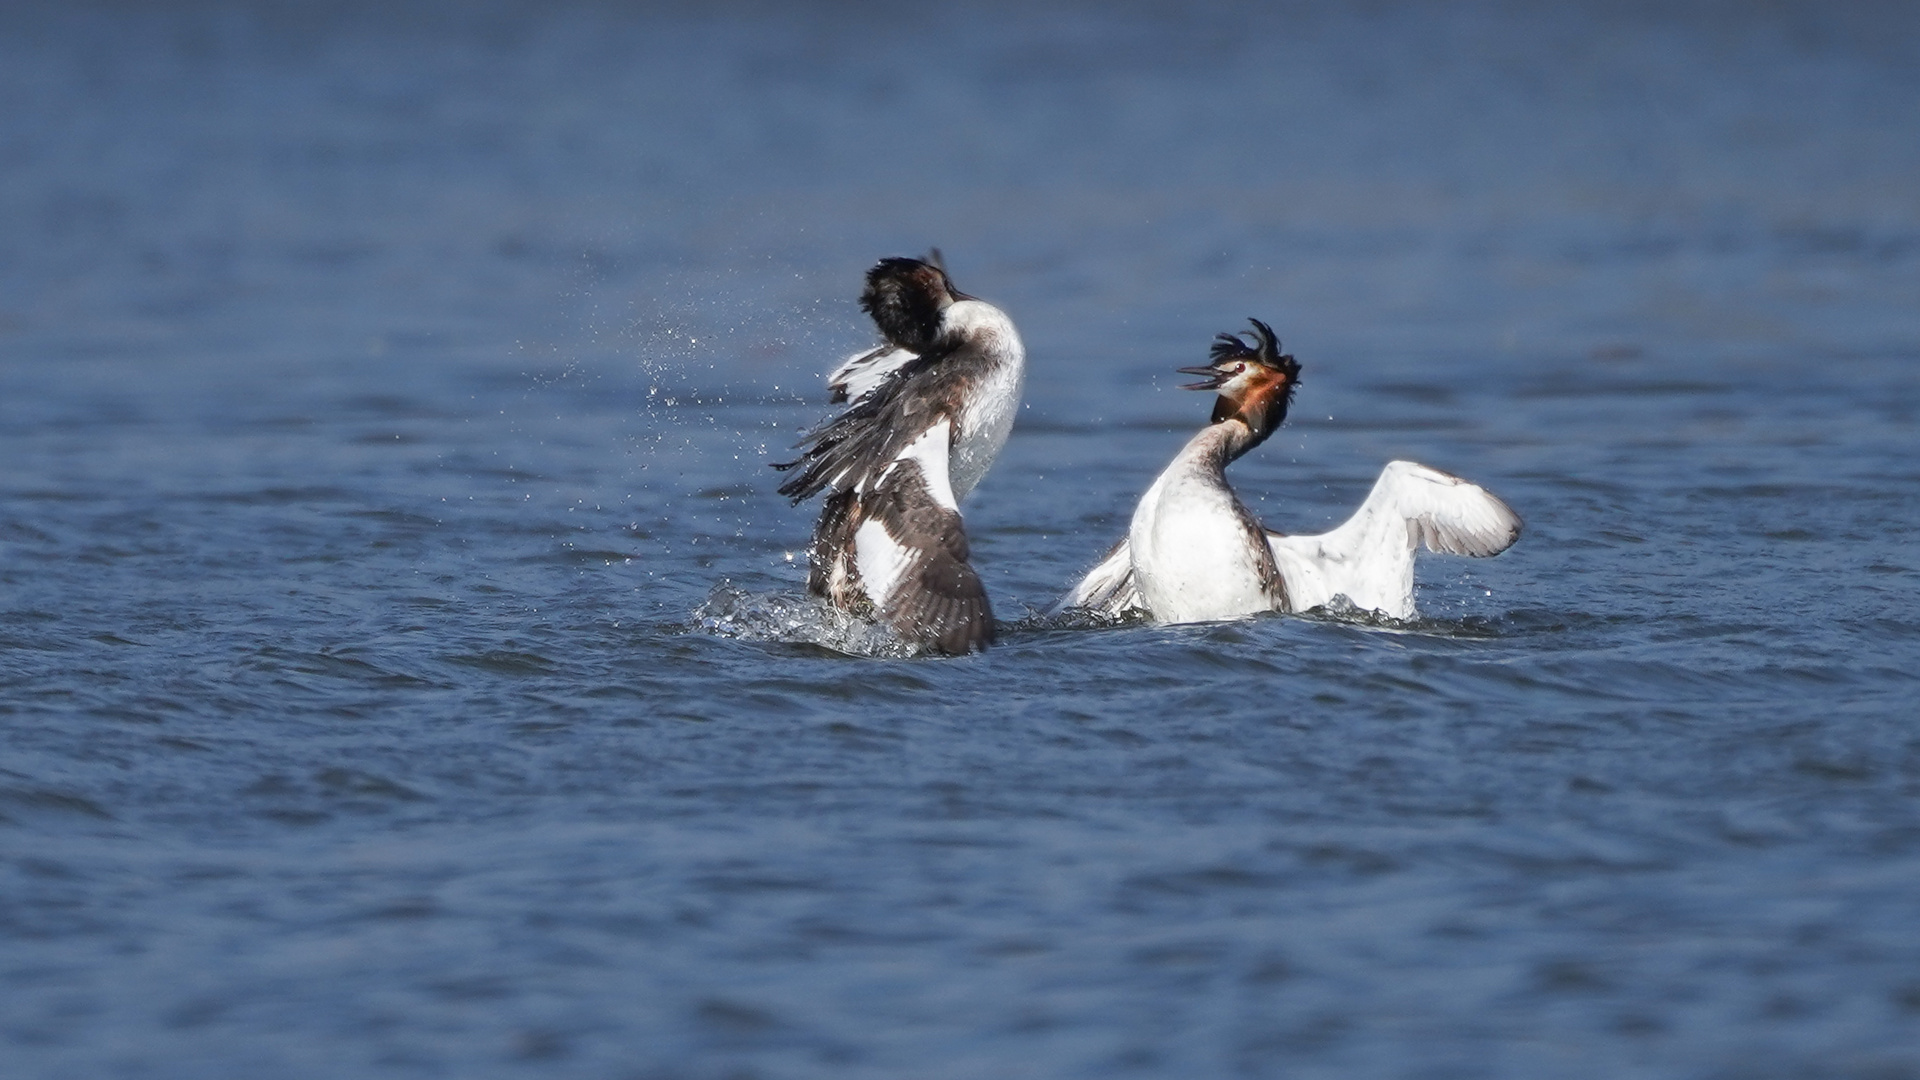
927, 412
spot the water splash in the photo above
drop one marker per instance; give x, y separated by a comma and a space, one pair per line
1344, 611
792, 618
1338, 611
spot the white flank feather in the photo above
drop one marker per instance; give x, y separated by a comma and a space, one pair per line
1107, 589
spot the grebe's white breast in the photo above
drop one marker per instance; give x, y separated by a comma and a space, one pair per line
1197, 553
990, 403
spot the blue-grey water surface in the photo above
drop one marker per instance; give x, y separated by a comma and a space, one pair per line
403, 663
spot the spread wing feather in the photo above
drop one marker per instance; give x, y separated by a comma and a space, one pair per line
1369, 558
849, 451
863, 372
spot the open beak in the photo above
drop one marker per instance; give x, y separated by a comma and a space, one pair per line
1215, 377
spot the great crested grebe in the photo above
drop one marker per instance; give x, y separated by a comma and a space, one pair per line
927, 412
1195, 553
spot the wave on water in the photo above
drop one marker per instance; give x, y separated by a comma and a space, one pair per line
790, 618
794, 619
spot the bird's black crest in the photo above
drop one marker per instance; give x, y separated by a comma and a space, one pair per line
1269, 410
1265, 350
905, 298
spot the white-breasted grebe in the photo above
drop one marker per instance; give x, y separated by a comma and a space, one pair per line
1195, 553
927, 413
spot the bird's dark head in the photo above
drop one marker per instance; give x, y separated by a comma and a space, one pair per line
1255, 380
906, 298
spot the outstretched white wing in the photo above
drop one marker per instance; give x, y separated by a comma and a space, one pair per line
857, 376
1108, 588
1369, 559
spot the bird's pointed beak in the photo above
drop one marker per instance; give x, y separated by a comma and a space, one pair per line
1214, 377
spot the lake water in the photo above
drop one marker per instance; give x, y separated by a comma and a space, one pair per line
403, 663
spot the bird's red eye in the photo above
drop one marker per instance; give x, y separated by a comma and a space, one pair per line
1239, 367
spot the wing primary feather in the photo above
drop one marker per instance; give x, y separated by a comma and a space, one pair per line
850, 450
